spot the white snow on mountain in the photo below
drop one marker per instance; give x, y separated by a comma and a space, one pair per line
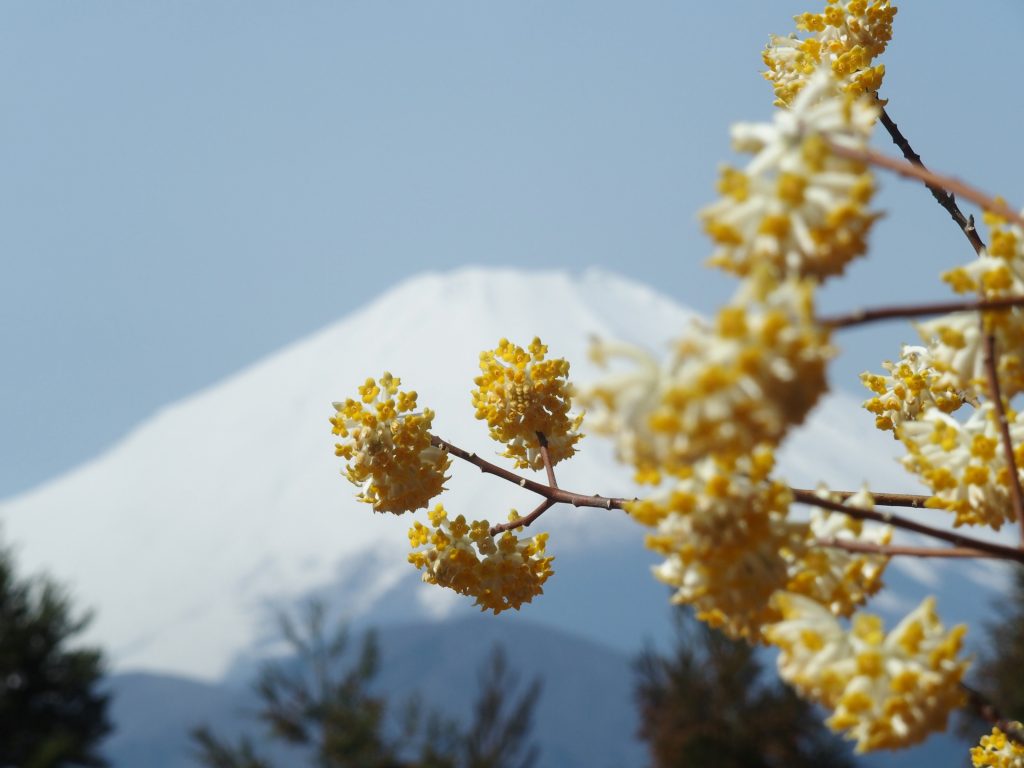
181, 534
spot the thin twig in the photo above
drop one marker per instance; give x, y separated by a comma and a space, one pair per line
523, 522
966, 542
555, 494
864, 316
946, 199
911, 171
881, 499
898, 549
548, 467
990, 713
1004, 430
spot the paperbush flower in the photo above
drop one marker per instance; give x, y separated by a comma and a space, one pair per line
964, 464
387, 446
724, 534
912, 386
998, 751
887, 690
840, 580
519, 393
500, 572
797, 206
847, 36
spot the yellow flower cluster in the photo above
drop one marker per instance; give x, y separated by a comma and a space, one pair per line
836, 578
520, 394
387, 447
847, 36
797, 206
725, 390
964, 464
998, 751
724, 534
913, 386
501, 573
887, 690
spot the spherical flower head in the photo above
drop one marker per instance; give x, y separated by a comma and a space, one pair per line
956, 345
501, 572
838, 579
726, 388
386, 444
725, 537
997, 751
797, 206
912, 386
888, 690
847, 36
964, 464
520, 394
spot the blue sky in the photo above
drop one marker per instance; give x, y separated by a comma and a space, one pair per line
188, 186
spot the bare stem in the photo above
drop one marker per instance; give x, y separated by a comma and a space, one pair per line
965, 542
1004, 430
864, 316
523, 522
896, 549
946, 199
882, 499
948, 183
548, 467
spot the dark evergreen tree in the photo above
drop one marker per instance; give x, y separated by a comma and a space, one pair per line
52, 711
712, 703
315, 703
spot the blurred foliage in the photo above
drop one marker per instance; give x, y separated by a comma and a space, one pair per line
322, 705
711, 702
52, 712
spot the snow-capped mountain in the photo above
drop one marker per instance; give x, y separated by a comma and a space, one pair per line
230, 501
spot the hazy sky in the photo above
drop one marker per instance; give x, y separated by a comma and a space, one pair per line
188, 186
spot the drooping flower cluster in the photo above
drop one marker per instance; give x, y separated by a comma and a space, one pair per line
838, 579
886, 690
912, 386
520, 394
386, 443
997, 751
964, 464
847, 37
724, 534
725, 389
500, 572
797, 206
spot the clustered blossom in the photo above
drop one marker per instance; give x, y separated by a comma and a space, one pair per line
847, 36
500, 572
997, 751
964, 464
912, 386
887, 690
387, 447
797, 206
838, 579
724, 534
520, 394
726, 388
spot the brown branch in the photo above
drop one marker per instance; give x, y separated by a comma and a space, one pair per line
523, 522
911, 171
944, 198
897, 549
1004, 430
864, 316
556, 495
882, 499
966, 542
548, 467
991, 714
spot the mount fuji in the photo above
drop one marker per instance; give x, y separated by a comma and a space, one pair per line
188, 534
